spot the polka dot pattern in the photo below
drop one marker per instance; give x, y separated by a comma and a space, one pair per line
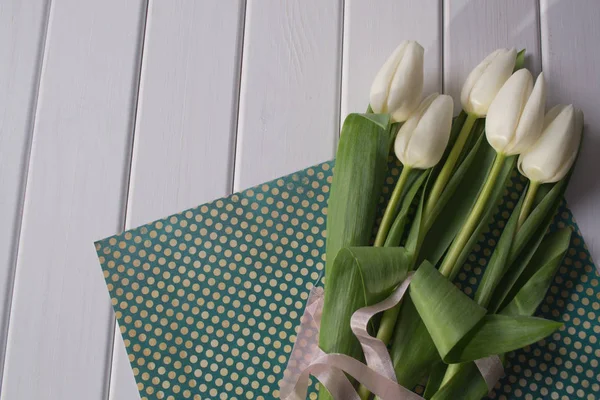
208, 300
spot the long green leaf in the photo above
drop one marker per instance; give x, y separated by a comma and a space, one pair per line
491, 207
413, 351
397, 230
539, 274
499, 260
467, 384
460, 328
447, 312
497, 334
526, 243
361, 162
436, 377
547, 201
454, 204
359, 276
418, 228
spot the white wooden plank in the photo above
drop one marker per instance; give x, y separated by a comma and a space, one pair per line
22, 33
61, 325
473, 29
571, 60
290, 88
372, 33
185, 125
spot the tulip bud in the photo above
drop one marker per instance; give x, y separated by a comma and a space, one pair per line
422, 139
398, 85
515, 117
486, 79
553, 155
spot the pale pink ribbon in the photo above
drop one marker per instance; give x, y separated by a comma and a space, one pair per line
377, 374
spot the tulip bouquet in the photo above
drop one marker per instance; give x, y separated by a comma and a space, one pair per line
454, 171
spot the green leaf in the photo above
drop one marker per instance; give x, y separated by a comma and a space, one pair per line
520, 61
460, 328
499, 260
467, 384
418, 229
455, 203
491, 207
360, 168
412, 189
547, 201
531, 287
527, 241
497, 334
359, 276
394, 129
447, 312
413, 351
383, 120
434, 382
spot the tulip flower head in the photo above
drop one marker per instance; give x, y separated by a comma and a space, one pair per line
486, 79
398, 85
422, 139
516, 116
554, 153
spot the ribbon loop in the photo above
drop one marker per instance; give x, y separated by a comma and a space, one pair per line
377, 374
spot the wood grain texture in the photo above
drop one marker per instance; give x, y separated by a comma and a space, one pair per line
22, 34
290, 88
372, 33
185, 124
61, 326
473, 29
570, 37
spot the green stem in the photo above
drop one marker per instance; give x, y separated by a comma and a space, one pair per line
388, 320
390, 211
388, 323
448, 168
363, 392
528, 202
448, 265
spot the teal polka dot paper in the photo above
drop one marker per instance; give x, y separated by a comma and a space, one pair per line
208, 300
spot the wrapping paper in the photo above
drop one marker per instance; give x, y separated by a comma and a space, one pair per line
208, 300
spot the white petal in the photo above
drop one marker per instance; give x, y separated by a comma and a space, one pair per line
493, 77
474, 76
401, 142
407, 129
552, 155
430, 137
532, 119
505, 111
381, 85
572, 149
407, 84
552, 114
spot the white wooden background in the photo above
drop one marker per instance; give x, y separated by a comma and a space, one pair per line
114, 113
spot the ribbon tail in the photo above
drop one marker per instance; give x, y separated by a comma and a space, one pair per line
376, 353
491, 370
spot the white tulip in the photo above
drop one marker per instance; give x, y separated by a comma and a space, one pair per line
486, 79
515, 117
398, 85
422, 139
553, 155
